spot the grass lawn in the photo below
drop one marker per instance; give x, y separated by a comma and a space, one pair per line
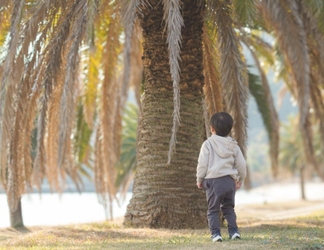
305, 232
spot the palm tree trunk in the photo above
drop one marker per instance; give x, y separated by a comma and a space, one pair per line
166, 196
16, 219
302, 182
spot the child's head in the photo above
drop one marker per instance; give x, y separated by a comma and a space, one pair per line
222, 123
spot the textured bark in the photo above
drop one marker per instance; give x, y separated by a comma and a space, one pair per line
166, 196
16, 219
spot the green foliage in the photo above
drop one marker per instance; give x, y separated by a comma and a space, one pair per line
315, 7
82, 144
321, 20
127, 161
258, 92
245, 10
292, 154
82, 136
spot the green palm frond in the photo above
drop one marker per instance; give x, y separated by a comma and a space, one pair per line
262, 95
321, 20
292, 156
315, 7
82, 137
127, 162
263, 50
245, 11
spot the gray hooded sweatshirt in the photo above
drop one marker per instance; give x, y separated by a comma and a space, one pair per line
220, 156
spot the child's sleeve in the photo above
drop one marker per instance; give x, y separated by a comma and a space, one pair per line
202, 162
240, 165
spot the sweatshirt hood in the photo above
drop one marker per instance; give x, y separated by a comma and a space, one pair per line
223, 146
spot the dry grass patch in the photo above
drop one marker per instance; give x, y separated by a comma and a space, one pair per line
300, 233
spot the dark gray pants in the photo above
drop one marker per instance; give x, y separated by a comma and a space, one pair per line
220, 193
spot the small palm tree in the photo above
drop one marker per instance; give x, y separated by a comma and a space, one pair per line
293, 156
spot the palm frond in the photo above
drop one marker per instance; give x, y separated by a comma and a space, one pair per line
128, 11
109, 117
314, 7
53, 132
67, 105
264, 100
136, 63
8, 106
261, 48
52, 67
318, 105
321, 20
291, 34
82, 136
315, 40
262, 95
92, 13
92, 62
245, 11
212, 86
307, 135
127, 161
173, 24
233, 72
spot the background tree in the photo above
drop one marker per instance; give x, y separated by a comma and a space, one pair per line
293, 155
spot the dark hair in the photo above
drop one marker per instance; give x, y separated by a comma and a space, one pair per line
222, 122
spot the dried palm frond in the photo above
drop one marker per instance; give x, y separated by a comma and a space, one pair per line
52, 62
212, 87
67, 103
52, 145
35, 33
8, 105
173, 24
109, 118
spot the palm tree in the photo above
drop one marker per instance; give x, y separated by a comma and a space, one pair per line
293, 156
297, 25
41, 88
164, 193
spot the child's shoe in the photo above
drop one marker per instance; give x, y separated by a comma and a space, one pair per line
216, 237
235, 236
